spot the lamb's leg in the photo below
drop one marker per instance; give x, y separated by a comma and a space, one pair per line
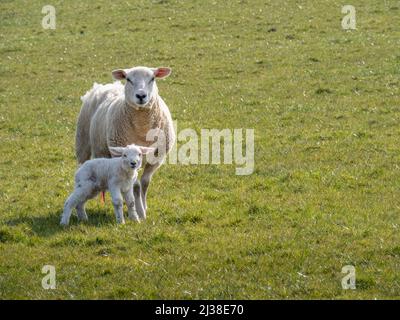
138, 200
148, 172
80, 208
118, 205
130, 202
71, 203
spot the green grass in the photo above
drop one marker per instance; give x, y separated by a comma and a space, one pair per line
324, 104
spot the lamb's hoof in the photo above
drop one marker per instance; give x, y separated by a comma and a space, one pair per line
134, 217
142, 216
64, 224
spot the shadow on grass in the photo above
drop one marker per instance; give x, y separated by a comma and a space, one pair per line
49, 224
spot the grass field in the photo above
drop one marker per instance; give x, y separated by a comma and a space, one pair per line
324, 104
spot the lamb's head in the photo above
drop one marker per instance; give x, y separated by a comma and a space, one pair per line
140, 85
131, 155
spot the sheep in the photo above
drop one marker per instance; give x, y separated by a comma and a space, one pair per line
116, 175
115, 115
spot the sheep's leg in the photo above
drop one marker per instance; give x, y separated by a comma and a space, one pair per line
118, 205
80, 208
130, 202
148, 172
82, 137
138, 200
71, 203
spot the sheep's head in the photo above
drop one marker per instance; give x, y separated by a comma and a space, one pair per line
131, 155
140, 85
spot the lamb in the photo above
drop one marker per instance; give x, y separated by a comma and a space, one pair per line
116, 115
116, 175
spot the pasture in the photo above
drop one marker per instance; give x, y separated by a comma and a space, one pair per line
324, 106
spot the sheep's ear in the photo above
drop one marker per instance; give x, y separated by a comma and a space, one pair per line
116, 151
146, 150
162, 72
119, 74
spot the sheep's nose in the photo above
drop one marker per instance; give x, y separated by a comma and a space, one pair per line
133, 163
141, 96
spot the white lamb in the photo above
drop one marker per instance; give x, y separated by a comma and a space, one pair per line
114, 174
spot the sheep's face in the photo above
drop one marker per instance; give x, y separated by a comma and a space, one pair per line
141, 84
131, 156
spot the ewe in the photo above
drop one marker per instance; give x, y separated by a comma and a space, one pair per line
116, 175
115, 115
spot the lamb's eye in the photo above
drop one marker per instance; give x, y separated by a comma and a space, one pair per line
151, 80
124, 155
129, 80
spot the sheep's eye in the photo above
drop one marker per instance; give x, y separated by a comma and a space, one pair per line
124, 155
129, 80
151, 80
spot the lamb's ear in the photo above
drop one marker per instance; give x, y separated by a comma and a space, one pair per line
146, 150
119, 74
162, 72
116, 151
